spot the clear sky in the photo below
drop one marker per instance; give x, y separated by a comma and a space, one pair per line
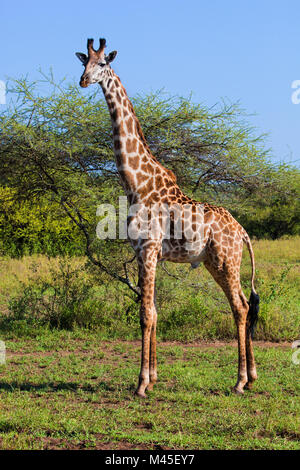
246, 50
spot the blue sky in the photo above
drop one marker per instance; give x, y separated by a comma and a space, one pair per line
240, 50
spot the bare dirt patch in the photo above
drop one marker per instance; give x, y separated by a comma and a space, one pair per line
221, 344
110, 348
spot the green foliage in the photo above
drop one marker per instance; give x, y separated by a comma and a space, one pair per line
279, 311
273, 214
67, 297
61, 302
31, 226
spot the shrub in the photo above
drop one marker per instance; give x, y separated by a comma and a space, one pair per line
63, 301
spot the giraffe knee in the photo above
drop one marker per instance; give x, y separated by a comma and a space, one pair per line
147, 314
146, 320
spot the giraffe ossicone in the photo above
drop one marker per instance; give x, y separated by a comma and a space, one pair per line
209, 234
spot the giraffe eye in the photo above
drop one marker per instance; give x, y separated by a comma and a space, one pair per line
102, 64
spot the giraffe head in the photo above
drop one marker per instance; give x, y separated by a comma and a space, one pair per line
96, 63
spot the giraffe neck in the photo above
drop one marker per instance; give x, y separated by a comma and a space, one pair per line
137, 167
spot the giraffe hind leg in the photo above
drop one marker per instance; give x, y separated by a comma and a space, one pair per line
228, 280
251, 367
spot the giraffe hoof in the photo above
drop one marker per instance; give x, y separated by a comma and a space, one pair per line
248, 385
150, 387
238, 391
140, 394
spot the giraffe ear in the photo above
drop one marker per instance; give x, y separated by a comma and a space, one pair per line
110, 57
82, 57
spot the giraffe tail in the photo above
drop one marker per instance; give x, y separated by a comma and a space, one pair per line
254, 297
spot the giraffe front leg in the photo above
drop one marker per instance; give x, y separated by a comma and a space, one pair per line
153, 364
147, 267
144, 377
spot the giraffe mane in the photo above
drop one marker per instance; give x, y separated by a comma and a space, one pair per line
140, 132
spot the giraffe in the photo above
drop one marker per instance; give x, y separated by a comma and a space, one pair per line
147, 182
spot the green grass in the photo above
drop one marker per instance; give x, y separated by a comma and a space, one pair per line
74, 390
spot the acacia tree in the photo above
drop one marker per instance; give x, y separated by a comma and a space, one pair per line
58, 146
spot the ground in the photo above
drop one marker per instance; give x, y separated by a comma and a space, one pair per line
72, 390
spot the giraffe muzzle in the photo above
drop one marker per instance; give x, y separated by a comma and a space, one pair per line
84, 82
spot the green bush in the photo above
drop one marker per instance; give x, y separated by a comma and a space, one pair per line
36, 226
63, 302
190, 305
